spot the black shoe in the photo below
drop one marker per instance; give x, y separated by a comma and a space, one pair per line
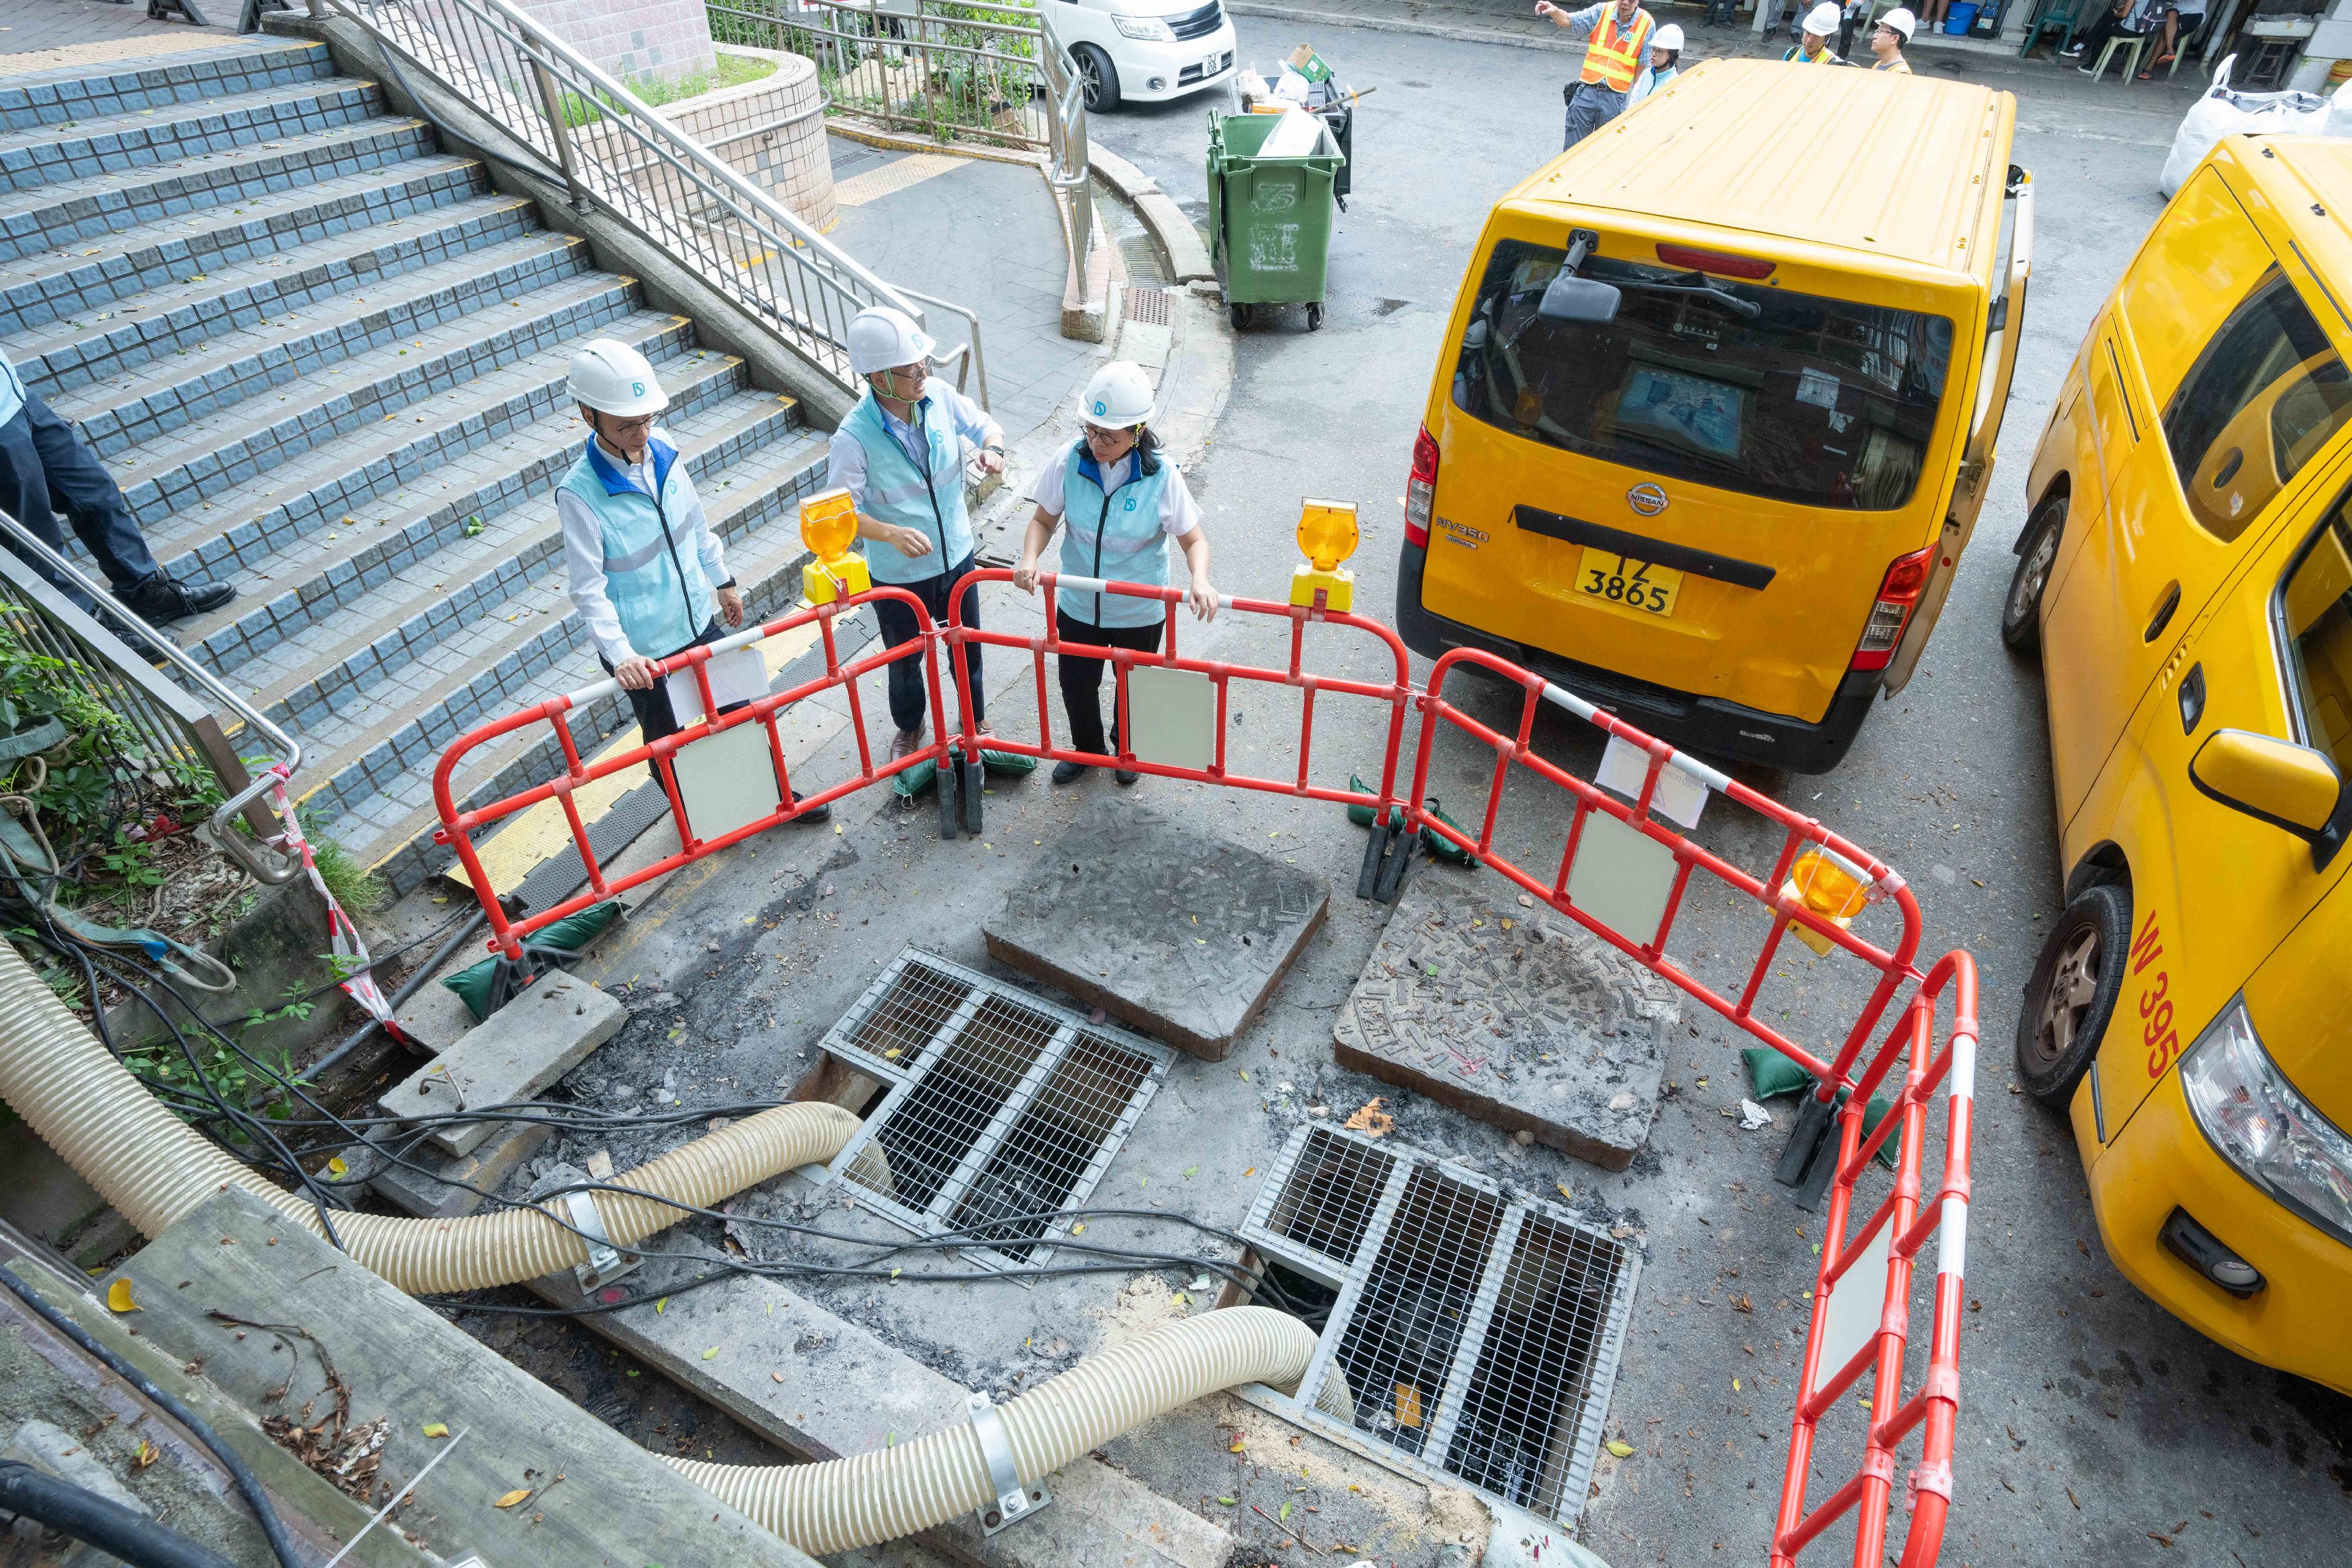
1127, 775
822, 814
1070, 772
162, 598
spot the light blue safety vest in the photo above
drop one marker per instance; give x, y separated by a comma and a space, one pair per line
1115, 537
928, 499
658, 589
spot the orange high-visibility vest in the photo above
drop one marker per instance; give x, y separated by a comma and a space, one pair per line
1614, 58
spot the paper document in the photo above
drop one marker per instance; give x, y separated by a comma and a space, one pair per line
735, 677
1680, 797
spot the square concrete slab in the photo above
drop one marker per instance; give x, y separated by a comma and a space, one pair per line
520, 1050
1514, 1016
1179, 933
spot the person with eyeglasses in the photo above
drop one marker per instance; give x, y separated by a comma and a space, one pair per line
1120, 502
899, 454
1886, 41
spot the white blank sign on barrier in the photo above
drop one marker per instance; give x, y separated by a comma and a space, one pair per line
1172, 717
727, 781
1621, 878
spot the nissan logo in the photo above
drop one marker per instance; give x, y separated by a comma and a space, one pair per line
1646, 499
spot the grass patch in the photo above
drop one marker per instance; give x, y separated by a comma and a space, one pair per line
734, 70
354, 887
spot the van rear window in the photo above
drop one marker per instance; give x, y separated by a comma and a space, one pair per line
1822, 401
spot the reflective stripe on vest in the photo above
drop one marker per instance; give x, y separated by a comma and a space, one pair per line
1117, 537
660, 592
1613, 58
928, 499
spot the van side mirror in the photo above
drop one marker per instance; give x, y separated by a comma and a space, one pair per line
2276, 782
1578, 301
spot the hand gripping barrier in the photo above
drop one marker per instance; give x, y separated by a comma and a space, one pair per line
1861, 1307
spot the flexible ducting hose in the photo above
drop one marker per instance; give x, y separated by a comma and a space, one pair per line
895, 1491
154, 1169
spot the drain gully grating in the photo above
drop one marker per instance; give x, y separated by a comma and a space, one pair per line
1471, 1337
999, 1104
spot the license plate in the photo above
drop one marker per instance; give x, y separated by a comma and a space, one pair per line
1621, 580
1208, 66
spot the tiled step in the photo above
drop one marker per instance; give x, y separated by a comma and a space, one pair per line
235, 527
86, 211
238, 363
177, 470
367, 217
77, 92
436, 541
80, 149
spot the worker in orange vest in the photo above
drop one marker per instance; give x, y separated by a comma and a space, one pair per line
1618, 31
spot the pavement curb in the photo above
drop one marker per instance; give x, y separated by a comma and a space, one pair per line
1470, 33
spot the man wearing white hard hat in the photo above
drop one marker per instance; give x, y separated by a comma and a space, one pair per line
901, 456
1617, 35
1813, 48
1121, 502
1665, 64
648, 576
1886, 41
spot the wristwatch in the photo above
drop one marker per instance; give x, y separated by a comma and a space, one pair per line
728, 583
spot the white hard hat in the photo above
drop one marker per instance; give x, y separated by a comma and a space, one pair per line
1899, 20
611, 377
882, 339
1119, 396
1669, 37
1823, 19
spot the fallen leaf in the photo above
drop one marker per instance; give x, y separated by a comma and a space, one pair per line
1370, 1120
710, 1354
1283, 1514
436, 1428
1235, 1447
1190, 1171
118, 1297
1742, 1304
1079, 1228
1564, 1192
1226, 1500
147, 1454
660, 1305
336, 1168
513, 1497
1735, 1386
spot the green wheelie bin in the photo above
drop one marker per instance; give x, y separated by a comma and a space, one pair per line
1270, 214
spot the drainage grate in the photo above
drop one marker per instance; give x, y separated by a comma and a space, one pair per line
1149, 306
1470, 1337
1000, 1106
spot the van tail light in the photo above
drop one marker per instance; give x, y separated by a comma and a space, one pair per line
1716, 261
1898, 596
1420, 491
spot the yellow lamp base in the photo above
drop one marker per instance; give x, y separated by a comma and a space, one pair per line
1338, 587
823, 580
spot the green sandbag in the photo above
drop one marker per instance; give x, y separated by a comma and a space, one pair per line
568, 934
914, 782
1437, 844
1772, 1075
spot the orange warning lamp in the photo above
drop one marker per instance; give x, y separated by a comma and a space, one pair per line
1828, 885
1327, 535
829, 527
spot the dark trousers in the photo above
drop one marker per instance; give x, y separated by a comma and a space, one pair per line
2093, 38
45, 470
1082, 678
911, 699
655, 719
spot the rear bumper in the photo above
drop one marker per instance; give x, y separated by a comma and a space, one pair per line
1708, 726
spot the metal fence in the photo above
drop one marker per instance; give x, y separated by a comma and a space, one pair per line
166, 721
1071, 173
616, 153
969, 72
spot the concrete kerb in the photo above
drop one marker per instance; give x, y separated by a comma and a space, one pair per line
1404, 19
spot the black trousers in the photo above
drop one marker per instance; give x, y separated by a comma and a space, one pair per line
910, 700
45, 470
1082, 678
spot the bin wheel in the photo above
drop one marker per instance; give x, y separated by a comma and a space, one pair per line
1314, 318
2071, 993
1241, 314
2021, 610
1100, 76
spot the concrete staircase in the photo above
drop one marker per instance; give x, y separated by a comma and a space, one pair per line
325, 360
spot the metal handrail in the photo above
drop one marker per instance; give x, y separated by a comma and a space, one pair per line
95, 640
1072, 169
632, 162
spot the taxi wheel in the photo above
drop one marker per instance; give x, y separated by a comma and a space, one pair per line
2021, 611
2072, 994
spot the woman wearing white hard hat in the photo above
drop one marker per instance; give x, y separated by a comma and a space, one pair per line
1665, 64
901, 456
647, 575
1813, 48
1886, 41
1121, 502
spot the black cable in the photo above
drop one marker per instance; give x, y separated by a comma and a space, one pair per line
282, 1545
409, 987
95, 1521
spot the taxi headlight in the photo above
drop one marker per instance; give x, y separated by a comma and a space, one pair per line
2264, 1128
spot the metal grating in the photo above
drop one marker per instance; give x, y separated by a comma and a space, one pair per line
1002, 1105
1471, 1337
1149, 306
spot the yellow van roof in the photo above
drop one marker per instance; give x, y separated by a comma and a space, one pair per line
2323, 168
1906, 167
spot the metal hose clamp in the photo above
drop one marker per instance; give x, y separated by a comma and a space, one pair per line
1015, 1501
606, 1262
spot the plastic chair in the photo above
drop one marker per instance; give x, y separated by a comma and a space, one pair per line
2059, 16
2181, 45
2136, 44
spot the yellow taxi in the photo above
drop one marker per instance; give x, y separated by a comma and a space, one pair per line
1712, 423
2186, 573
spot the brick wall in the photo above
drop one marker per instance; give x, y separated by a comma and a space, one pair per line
633, 39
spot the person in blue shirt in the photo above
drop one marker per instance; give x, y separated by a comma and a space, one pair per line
1122, 502
899, 454
1665, 64
45, 469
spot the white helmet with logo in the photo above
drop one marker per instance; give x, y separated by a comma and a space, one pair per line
1669, 37
883, 338
1899, 20
1119, 397
1823, 19
611, 377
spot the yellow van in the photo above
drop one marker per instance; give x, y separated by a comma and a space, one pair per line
2185, 572
1717, 407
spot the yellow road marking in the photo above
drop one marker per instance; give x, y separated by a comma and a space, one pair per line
897, 175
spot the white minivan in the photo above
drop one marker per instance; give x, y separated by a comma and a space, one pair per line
1144, 51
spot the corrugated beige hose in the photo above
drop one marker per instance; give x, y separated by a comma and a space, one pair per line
154, 1169
895, 1491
